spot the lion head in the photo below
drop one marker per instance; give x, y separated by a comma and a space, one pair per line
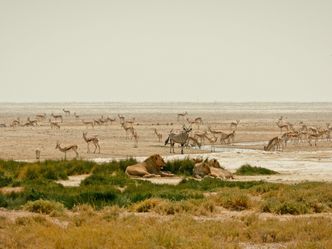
154, 163
214, 163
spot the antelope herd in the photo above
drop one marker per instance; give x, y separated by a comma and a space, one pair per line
197, 133
298, 136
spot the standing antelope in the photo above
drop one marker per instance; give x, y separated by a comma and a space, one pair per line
57, 117
54, 124
282, 126
111, 120
159, 135
76, 115
135, 136
128, 129
87, 123
67, 112
181, 115
235, 124
37, 154
93, 140
121, 118
73, 147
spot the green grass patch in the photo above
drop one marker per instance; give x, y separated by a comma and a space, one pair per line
248, 170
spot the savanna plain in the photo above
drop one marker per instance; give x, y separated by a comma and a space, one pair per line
279, 195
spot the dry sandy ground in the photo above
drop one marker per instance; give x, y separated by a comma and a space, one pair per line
257, 126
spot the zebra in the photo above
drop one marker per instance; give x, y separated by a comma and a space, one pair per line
180, 138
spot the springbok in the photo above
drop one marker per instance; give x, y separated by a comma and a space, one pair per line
67, 112
93, 140
57, 117
181, 115
73, 147
54, 124
159, 135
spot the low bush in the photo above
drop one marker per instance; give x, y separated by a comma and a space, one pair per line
44, 207
248, 170
180, 167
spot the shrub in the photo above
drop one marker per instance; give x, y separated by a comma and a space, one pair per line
146, 205
4, 180
233, 200
249, 170
180, 167
44, 207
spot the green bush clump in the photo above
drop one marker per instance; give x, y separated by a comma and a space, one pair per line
180, 167
248, 170
4, 180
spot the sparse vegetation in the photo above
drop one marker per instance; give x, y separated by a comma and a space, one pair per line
103, 200
248, 170
108, 185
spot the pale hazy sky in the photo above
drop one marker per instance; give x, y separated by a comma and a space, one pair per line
172, 50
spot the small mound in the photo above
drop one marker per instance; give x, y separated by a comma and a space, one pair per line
248, 170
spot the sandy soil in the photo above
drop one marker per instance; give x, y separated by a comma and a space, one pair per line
257, 126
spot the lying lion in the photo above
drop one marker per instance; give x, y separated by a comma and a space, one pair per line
151, 167
211, 168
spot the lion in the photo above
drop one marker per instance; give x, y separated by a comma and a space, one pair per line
151, 167
211, 168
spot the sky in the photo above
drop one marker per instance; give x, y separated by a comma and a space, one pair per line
160, 51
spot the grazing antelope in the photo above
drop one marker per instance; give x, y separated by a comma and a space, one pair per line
159, 135
230, 137
235, 124
41, 116
181, 115
33, 122
192, 141
201, 136
274, 144
2, 125
73, 147
212, 142
54, 124
88, 123
96, 122
216, 132
67, 112
15, 122
57, 117
93, 140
